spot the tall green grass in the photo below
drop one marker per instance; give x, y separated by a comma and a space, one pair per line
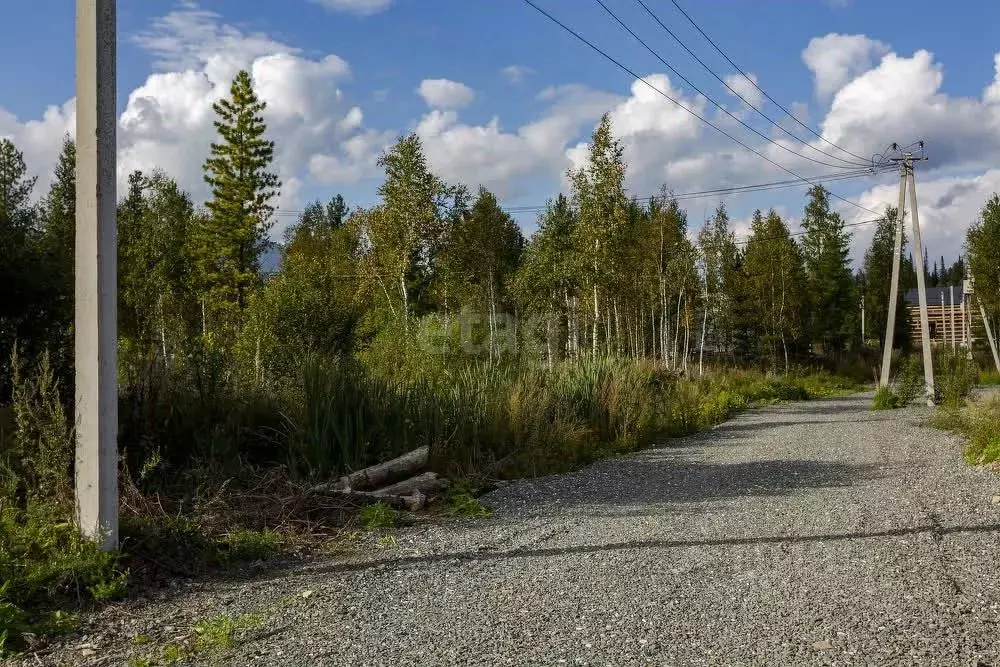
509, 420
980, 422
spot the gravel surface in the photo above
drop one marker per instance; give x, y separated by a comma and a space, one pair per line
803, 534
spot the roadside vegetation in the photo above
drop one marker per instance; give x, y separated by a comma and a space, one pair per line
427, 320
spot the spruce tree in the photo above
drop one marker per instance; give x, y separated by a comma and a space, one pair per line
56, 247
18, 263
59, 216
230, 240
877, 282
826, 250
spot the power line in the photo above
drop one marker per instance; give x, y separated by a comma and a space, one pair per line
754, 84
803, 233
679, 196
745, 101
717, 104
739, 189
682, 106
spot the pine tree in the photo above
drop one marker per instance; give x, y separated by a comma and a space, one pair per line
19, 270
877, 274
720, 261
826, 251
59, 216
56, 246
230, 240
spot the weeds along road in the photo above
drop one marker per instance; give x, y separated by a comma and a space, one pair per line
803, 534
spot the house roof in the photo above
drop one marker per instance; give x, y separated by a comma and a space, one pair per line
936, 296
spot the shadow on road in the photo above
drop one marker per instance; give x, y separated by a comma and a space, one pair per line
935, 530
665, 476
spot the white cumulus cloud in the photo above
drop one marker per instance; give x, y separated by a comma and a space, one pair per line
168, 120
835, 59
359, 7
745, 86
445, 94
516, 73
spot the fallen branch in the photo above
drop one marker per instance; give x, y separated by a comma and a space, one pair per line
428, 483
411, 503
410, 494
380, 474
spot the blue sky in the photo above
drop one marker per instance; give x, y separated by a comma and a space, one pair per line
388, 53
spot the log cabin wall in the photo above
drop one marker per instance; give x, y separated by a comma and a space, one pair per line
942, 317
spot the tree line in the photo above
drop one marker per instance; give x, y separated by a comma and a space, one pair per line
603, 274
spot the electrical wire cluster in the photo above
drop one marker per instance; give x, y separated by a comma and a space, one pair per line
851, 164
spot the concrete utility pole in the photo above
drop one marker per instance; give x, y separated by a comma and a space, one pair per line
890, 326
96, 273
906, 176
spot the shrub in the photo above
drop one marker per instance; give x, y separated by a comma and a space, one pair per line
989, 378
910, 381
884, 399
955, 376
982, 424
46, 565
378, 515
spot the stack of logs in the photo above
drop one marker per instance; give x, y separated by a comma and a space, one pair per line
381, 483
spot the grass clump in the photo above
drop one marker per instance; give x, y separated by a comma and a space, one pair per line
219, 632
885, 399
378, 515
245, 545
980, 423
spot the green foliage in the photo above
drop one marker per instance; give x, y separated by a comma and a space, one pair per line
311, 307
884, 399
248, 545
954, 376
378, 515
983, 246
219, 632
721, 259
461, 502
158, 305
46, 565
829, 279
989, 378
910, 381
774, 307
229, 241
980, 422
876, 282
39, 455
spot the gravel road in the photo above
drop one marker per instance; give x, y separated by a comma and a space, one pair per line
803, 534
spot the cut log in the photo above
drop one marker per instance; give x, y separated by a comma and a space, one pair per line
427, 484
410, 494
381, 474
